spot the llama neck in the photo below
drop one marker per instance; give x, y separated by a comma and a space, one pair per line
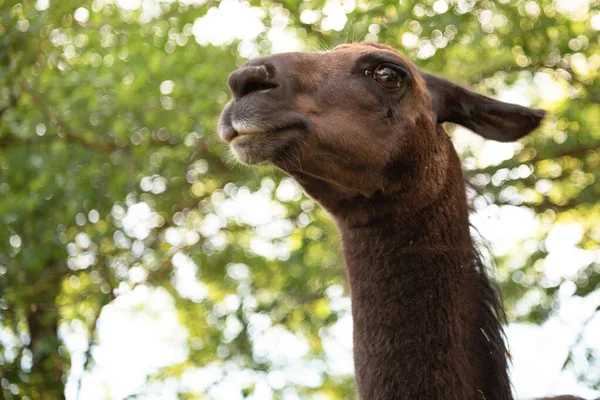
424, 313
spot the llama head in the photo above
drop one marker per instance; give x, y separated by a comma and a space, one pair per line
360, 118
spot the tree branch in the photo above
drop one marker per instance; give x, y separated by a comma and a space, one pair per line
548, 205
579, 338
12, 102
64, 131
87, 357
576, 151
12, 140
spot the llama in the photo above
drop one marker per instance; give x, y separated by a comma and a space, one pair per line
359, 128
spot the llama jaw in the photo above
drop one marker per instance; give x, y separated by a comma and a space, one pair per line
259, 142
259, 148
253, 144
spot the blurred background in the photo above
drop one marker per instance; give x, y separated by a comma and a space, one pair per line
138, 262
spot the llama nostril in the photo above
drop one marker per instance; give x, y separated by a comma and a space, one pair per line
256, 86
252, 79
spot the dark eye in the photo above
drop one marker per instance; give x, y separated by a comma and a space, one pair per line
388, 77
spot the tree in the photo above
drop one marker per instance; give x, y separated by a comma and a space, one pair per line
107, 114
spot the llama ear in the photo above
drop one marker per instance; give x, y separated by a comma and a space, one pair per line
490, 118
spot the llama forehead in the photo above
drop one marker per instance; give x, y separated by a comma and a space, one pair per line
312, 66
358, 50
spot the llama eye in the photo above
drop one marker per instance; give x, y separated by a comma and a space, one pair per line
388, 77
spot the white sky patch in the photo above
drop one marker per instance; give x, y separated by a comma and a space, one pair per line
75, 337
310, 375
259, 210
129, 4
564, 258
497, 224
410, 40
81, 15
310, 16
440, 6
10, 343
263, 247
549, 90
335, 16
150, 8
337, 343
288, 190
283, 40
230, 21
519, 93
202, 378
185, 278
225, 382
174, 236
539, 351
562, 237
279, 228
426, 50
251, 208
280, 346
248, 49
486, 152
282, 37
42, 5
138, 333
595, 21
155, 184
166, 87
211, 225
575, 9
139, 221
495, 152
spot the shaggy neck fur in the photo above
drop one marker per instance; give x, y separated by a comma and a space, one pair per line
427, 321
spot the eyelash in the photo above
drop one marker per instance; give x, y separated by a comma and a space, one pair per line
402, 71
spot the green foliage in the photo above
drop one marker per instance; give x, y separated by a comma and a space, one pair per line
116, 108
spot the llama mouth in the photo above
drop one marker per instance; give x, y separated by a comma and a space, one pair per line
250, 132
261, 146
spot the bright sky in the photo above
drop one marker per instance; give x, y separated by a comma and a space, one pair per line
139, 333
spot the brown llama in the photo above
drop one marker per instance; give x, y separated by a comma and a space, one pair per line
359, 128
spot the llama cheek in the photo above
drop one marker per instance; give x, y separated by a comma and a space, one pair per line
308, 107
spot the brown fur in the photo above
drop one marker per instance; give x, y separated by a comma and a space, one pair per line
427, 320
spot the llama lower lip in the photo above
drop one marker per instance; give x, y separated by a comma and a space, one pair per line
256, 133
258, 148
244, 137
